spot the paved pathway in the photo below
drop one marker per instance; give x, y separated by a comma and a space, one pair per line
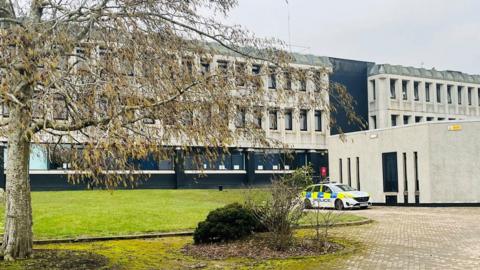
417, 238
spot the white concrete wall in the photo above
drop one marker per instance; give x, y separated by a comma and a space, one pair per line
448, 161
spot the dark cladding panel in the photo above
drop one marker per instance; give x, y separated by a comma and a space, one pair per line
354, 76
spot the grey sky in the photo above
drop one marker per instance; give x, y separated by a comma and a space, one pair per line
444, 34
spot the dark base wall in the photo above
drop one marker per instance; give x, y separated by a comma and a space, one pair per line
179, 179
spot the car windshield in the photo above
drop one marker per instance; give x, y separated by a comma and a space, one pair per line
344, 187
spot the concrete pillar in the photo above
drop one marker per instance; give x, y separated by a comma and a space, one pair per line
250, 167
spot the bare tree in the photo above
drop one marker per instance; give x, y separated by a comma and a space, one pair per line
119, 79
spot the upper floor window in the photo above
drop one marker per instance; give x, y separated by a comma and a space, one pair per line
273, 119
256, 69
439, 93
257, 118
204, 67
303, 120
288, 80
416, 94
303, 82
393, 91
469, 97
240, 118
317, 78
394, 120
427, 92
459, 95
240, 74
288, 120
272, 78
449, 94
374, 90
405, 90
318, 120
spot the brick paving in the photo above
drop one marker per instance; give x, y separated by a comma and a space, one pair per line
417, 238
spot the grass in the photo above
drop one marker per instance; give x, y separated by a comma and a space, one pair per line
62, 214
166, 253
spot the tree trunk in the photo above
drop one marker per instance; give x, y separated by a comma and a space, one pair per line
18, 236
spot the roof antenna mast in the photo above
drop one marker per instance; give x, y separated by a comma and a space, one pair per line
288, 21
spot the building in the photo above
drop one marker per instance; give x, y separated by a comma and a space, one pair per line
400, 95
426, 163
298, 124
418, 144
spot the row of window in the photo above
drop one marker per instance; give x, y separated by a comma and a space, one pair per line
429, 87
349, 172
288, 117
390, 174
396, 120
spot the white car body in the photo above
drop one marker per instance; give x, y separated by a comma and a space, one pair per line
329, 195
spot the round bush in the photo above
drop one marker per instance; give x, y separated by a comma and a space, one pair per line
225, 224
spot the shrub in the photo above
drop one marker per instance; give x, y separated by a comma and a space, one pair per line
228, 223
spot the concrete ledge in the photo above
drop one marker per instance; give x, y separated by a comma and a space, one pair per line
162, 235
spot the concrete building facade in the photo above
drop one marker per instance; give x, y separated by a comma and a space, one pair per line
426, 163
400, 95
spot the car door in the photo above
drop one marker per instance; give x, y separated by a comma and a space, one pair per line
316, 195
328, 201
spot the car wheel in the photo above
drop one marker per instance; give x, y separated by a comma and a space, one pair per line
339, 205
307, 204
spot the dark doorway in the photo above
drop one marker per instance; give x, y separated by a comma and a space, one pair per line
390, 172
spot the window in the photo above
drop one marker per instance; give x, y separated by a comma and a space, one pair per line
288, 80
255, 69
405, 90
374, 90
349, 170
390, 172
288, 120
5, 110
374, 122
439, 93
415, 169
430, 119
469, 97
187, 64
318, 120
257, 118
204, 67
394, 120
418, 119
358, 173
303, 83
341, 170
60, 110
272, 78
478, 97
240, 74
416, 94
222, 66
393, 94
316, 188
449, 94
273, 120
441, 119
317, 81
326, 189
303, 120
459, 95
406, 119
240, 118
427, 92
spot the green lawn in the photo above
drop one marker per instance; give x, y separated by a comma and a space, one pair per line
99, 213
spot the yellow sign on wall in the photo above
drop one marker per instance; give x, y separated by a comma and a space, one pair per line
455, 128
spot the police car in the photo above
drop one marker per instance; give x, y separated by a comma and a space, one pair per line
333, 195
